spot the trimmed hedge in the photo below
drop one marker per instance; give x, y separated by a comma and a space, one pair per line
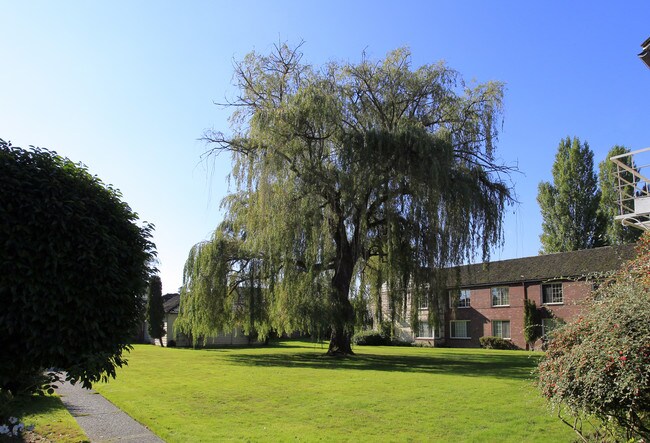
74, 265
490, 342
370, 338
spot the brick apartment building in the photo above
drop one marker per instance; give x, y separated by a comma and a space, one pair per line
488, 299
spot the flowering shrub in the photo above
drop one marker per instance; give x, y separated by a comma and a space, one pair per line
599, 365
13, 428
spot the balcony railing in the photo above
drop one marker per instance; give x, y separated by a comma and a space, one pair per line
633, 188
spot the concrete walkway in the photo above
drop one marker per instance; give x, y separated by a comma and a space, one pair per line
102, 420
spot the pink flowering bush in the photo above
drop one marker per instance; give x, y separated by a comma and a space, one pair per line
599, 365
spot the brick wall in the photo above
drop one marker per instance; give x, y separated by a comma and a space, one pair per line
482, 314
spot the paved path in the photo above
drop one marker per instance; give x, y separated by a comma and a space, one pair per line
102, 420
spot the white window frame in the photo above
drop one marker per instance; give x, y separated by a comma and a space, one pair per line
423, 326
500, 296
452, 329
424, 303
553, 288
460, 298
500, 327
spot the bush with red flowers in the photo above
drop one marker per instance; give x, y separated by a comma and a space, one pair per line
599, 365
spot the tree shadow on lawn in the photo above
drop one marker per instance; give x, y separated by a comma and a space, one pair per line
23, 405
517, 367
46, 411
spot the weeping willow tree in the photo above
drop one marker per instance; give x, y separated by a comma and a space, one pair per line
347, 178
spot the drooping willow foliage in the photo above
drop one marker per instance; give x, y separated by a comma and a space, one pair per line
347, 179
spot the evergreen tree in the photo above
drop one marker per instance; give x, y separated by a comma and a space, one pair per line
155, 309
532, 323
569, 205
613, 231
350, 174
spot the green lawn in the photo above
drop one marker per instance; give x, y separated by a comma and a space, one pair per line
50, 418
292, 392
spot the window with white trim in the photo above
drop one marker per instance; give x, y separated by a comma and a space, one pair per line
552, 293
501, 328
424, 331
459, 329
424, 302
459, 298
500, 296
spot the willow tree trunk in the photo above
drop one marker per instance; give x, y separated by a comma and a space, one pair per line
342, 310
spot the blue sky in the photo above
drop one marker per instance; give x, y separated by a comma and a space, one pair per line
127, 88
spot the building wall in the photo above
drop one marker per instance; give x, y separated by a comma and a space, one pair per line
234, 338
170, 333
482, 315
574, 295
402, 326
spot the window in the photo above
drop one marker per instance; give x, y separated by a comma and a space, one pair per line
425, 331
459, 299
501, 328
424, 302
459, 329
552, 293
500, 296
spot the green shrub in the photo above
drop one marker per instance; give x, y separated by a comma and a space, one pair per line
386, 328
600, 364
370, 338
74, 267
490, 342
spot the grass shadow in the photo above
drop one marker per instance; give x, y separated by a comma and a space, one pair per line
51, 419
22, 406
516, 366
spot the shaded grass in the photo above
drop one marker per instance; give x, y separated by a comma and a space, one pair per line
292, 392
50, 418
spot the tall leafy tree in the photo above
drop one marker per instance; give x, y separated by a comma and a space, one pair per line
569, 205
74, 263
349, 174
155, 309
614, 233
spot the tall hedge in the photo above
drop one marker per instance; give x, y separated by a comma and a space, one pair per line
74, 266
532, 323
155, 309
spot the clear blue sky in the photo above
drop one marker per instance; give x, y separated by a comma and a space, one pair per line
127, 87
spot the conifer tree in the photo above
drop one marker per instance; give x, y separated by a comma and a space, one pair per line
532, 323
155, 309
569, 205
